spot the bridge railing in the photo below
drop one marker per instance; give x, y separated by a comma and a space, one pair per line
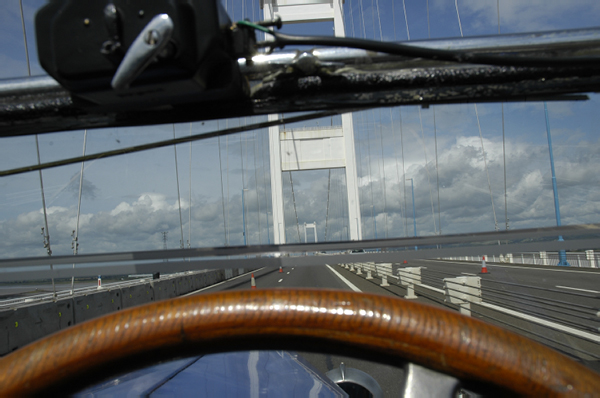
563, 319
587, 259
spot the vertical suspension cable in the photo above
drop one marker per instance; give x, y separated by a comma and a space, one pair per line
294, 202
423, 138
256, 190
227, 175
371, 184
504, 161
76, 234
437, 170
428, 25
352, 20
343, 183
178, 193
46, 234
243, 182
437, 173
395, 151
379, 20
25, 38
222, 189
373, 19
458, 16
406, 20
190, 193
327, 211
381, 141
427, 170
480, 135
403, 172
383, 175
262, 156
503, 140
362, 15
360, 157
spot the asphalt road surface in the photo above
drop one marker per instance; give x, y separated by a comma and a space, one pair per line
568, 297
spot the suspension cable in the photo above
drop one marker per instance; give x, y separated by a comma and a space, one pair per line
295, 211
383, 175
76, 233
243, 183
403, 173
222, 189
327, 211
437, 173
503, 140
480, 134
190, 193
437, 170
178, 193
256, 190
427, 171
46, 234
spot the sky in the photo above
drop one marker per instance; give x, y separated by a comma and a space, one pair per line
128, 201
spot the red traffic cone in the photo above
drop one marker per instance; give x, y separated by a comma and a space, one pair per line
280, 270
252, 282
484, 269
405, 262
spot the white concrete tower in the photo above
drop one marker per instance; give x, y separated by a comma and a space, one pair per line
322, 148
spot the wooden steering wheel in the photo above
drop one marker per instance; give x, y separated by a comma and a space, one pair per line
369, 326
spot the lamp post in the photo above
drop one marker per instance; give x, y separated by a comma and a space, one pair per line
562, 255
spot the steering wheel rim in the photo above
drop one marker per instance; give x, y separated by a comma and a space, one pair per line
384, 326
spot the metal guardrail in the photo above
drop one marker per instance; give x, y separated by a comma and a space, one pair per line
564, 314
45, 297
588, 259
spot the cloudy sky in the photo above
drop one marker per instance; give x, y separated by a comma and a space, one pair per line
128, 201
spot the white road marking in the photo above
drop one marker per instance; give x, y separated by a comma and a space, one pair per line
556, 326
466, 273
220, 283
581, 290
279, 281
513, 266
292, 268
346, 281
288, 273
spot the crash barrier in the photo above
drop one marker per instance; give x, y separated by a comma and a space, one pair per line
588, 258
501, 304
27, 321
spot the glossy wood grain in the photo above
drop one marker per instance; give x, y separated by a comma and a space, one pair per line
334, 321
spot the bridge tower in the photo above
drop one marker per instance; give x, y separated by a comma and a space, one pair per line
322, 148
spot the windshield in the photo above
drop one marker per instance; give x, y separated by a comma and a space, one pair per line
415, 171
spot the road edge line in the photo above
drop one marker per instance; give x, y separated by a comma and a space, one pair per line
346, 281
